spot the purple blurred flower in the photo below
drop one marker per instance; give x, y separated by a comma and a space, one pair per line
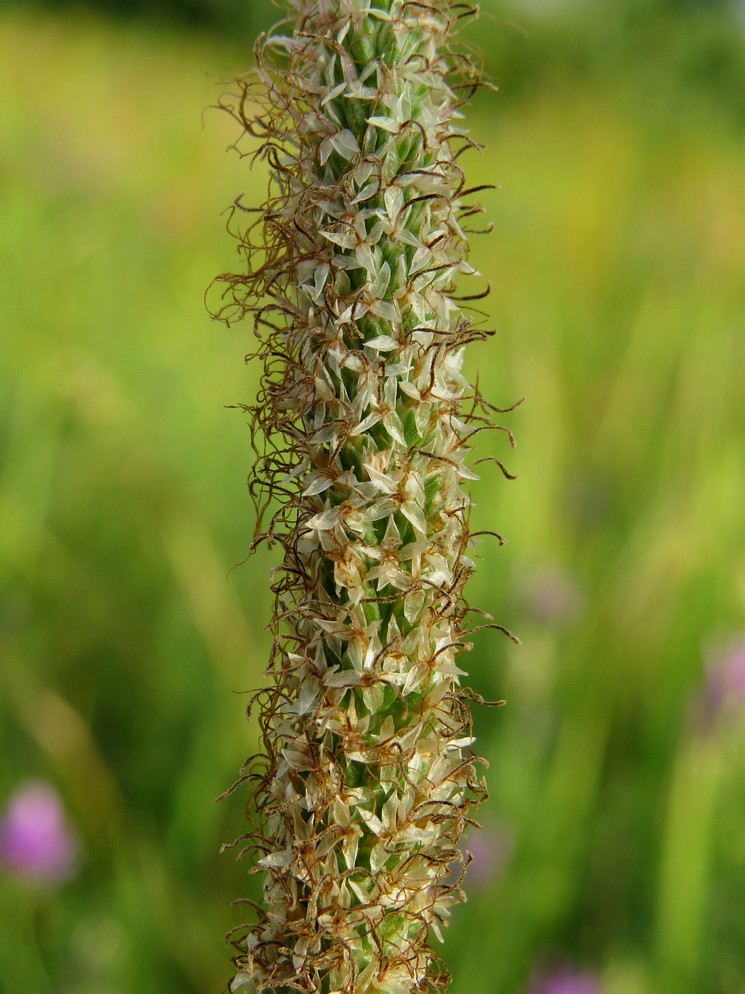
490, 848
723, 693
565, 980
551, 595
35, 840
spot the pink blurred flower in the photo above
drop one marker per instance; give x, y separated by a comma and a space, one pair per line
723, 693
35, 839
565, 980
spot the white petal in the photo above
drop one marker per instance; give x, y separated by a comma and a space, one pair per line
383, 343
394, 200
317, 485
386, 123
277, 859
366, 423
379, 285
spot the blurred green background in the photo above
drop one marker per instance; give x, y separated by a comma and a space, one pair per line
614, 837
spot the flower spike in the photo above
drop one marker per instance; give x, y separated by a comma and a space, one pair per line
361, 429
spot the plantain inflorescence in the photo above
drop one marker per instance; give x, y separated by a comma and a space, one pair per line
367, 778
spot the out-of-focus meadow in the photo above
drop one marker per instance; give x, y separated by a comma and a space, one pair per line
613, 849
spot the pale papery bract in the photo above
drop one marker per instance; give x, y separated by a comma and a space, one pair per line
361, 428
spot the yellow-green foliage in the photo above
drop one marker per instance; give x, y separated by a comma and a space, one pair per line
617, 272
